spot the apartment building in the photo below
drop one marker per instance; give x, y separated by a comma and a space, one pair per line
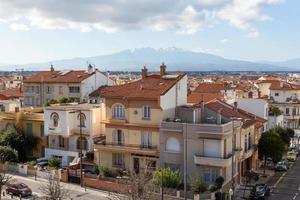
286, 97
62, 128
251, 131
31, 121
134, 112
201, 140
46, 85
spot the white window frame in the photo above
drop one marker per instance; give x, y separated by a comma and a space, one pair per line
118, 111
146, 112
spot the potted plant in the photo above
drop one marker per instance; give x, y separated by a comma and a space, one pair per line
197, 187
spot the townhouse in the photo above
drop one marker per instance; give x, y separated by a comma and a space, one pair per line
63, 126
46, 85
199, 142
285, 96
245, 142
134, 112
31, 122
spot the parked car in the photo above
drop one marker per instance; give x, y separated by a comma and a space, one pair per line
259, 192
18, 189
41, 165
291, 156
281, 166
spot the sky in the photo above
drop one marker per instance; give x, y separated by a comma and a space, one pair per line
254, 30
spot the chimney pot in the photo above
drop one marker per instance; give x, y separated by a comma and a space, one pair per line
235, 106
52, 68
163, 69
144, 72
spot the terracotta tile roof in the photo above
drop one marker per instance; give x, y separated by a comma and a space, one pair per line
3, 97
59, 77
229, 111
96, 93
244, 86
210, 88
283, 86
150, 87
196, 98
12, 92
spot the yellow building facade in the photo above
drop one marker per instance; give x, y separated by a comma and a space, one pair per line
31, 121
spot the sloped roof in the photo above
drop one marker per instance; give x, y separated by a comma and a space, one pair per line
59, 76
196, 98
210, 88
150, 87
12, 92
284, 86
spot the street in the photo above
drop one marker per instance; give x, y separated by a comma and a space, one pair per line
287, 186
75, 191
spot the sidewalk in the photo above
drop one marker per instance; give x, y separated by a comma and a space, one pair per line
70, 186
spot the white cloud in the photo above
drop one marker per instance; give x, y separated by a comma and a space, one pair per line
206, 50
182, 16
19, 27
225, 41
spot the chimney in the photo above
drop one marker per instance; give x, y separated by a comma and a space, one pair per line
235, 106
219, 116
202, 111
90, 68
250, 95
144, 72
52, 68
163, 69
281, 84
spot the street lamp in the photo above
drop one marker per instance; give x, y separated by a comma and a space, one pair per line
232, 156
80, 146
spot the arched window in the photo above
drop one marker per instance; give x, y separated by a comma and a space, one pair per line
82, 118
54, 117
84, 143
172, 145
118, 111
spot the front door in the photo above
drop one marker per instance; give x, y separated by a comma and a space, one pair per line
136, 165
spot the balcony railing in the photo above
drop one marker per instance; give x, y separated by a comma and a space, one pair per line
218, 161
141, 146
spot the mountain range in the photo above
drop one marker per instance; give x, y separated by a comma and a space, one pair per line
176, 60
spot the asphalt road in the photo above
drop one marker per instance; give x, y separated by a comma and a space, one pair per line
75, 191
287, 186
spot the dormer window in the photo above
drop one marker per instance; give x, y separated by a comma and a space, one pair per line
118, 111
54, 118
82, 118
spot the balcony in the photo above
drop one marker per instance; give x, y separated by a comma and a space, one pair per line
200, 159
76, 131
9, 115
171, 127
238, 153
33, 117
130, 148
249, 152
292, 116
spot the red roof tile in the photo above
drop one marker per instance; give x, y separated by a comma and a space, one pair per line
210, 88
229, 111
12, 92
59, 77
150, 87
284, 86
196, 98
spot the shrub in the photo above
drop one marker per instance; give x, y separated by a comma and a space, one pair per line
54, 162
167, 178
197, 186
107, 172
95, 169
8, 154
219, 182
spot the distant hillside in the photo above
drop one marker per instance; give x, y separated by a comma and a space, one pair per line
174, 58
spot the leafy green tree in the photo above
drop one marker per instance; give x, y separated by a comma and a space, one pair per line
271, 146
54, 162
52, 101
197, 186
8, 154
16, 139
274, 111
167, 178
